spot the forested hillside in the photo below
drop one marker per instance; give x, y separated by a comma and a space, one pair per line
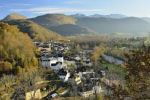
16, 49
50, 20
70, 29
34, 30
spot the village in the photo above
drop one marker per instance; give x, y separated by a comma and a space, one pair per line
74, 50
75, 73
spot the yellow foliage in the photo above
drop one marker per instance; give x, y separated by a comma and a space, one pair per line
16, 46
5, 66
98, 51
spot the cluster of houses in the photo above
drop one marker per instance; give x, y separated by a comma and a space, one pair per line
51, 56
89, 80
83, 78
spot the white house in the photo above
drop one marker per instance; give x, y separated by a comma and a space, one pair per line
78, 79
65, 77
54, 63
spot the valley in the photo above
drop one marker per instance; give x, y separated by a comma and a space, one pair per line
80, 57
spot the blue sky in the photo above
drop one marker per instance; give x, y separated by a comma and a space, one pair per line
31, 8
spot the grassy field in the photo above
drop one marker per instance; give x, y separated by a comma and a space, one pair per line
112, 68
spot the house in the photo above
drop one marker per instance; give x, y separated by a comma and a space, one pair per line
90, 84
86, 93
103, 73
37, 91
97, 89
44, 47
89, 74
55, 63
77, 79
77, 58
86, 90
51, 95
33, 95
64, 75
87, 62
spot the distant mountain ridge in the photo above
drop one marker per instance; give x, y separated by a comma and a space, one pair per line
130, 25
115, 16
146, 19
78, 15
62, 24
101, 24
49, 20
14, 16
71, 29
34, 30
98, 24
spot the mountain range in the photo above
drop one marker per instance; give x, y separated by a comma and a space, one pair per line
34, 30
128, 25
68, 25
115, 16
14, 16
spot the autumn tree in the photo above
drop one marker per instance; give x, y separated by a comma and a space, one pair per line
138, 80
16, 48
5, 66
97, 53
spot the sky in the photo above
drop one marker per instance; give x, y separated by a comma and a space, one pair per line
32, 8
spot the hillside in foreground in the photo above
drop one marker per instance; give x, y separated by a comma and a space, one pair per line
17, 49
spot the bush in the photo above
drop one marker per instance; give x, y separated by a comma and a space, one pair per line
5, 66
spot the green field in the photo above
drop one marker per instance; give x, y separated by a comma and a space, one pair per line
112, 68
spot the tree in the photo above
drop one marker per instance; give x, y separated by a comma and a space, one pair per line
138, 80
16, 48
97, 53
5, 66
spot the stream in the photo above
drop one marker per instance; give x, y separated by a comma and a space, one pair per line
112, 59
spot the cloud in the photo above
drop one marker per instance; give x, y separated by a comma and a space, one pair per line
73, 2
21, 4
16, 4
44, 10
